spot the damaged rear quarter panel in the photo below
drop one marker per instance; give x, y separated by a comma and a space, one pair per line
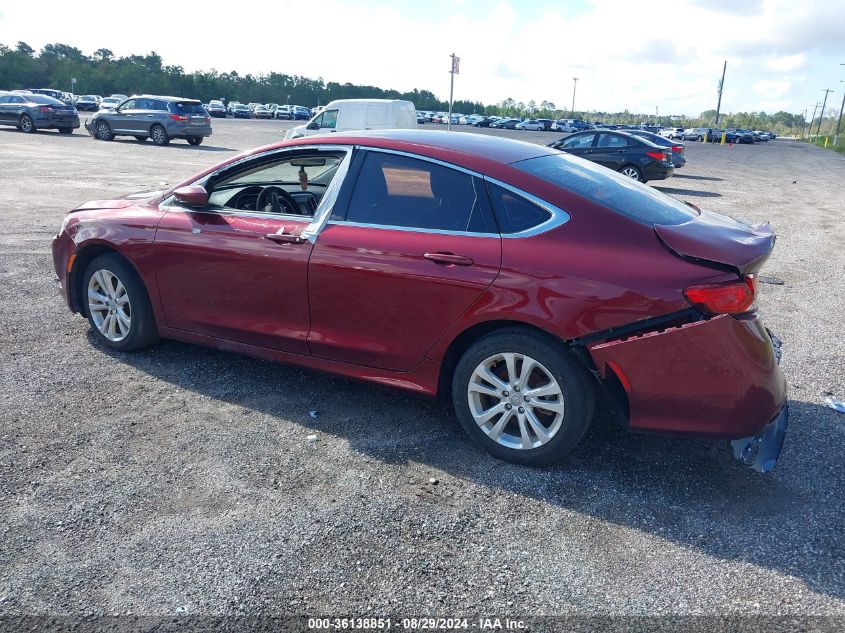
714, 378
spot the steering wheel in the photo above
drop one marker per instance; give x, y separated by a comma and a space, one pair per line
278, 200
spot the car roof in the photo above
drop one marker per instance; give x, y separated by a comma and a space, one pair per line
165, 98
432, 143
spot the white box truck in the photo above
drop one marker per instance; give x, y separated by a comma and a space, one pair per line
346, 115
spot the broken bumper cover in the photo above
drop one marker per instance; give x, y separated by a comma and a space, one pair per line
717, 378
761, 451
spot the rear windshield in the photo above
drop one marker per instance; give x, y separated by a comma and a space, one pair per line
187, 108
43, 99
608, 188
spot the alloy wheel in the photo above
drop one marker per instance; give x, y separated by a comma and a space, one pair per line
109, 305
515, 400
26, 124
630, 172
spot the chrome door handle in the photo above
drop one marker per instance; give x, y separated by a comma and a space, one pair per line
449, 259
284, 238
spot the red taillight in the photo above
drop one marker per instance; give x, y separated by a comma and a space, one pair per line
178, 117
732, 298
656, 155
45, 109
677, 148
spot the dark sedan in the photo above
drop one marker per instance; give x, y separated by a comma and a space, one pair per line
630, 155
241, 111
31, 112
528, 284
506, 124
88, 103
679, 157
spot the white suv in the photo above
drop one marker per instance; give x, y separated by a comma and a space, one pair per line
673, 133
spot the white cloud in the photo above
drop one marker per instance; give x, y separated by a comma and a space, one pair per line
769, 88
786, 63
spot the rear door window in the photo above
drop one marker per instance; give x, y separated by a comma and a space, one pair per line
181, 107
399, 191
514, 213
612, 140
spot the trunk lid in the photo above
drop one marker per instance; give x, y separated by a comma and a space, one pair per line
715, 239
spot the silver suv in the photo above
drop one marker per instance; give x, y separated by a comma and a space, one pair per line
155, 117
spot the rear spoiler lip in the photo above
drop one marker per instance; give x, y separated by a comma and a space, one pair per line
760, 241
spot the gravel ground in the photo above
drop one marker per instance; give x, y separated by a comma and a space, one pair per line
180, 481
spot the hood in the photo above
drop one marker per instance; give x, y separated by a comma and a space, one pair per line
295, 132
118, 203
717, 239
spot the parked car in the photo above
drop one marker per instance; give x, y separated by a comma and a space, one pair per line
679, 158
32, 112
484, 121
241, 111
300, 113
109, 103
547, 123
58, 95
156, 117
392, 267
88, 103
420, 118
262, 112
216, 109
631, 156
695, 133
283, 112
745, 137
570, 125
252, 105
358, 114
761, 135
506, 124
673, 133
119, 96
529, 124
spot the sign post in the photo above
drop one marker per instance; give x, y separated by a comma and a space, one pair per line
456, 67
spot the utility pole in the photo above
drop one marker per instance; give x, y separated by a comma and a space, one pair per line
803, 125
456, 67
721, 85
574, 85
810, 126
821, 118
839, 122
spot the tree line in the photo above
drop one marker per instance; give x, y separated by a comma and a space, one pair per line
104, 73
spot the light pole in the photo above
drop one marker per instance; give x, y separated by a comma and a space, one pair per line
821, 117
574, 85
456, 66
839, 121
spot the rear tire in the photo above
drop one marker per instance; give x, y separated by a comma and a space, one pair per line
633, 172
26, 124
159, 135
103, 131
194, 140
117, 305
522, 431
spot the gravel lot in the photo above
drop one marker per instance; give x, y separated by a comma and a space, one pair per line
179, 480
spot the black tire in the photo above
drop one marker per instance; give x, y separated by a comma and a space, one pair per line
194, 140
65, 130
635, 172
159, 135
102, 130
140, 138
576, 385
26, 124
142, 329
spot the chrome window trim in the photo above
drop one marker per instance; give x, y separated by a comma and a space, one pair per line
411, 229
558, 215
315, 222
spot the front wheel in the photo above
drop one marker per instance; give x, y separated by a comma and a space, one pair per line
194, 140
520, 396
632, 172
103, 131
118, 307
26, 124
159, 135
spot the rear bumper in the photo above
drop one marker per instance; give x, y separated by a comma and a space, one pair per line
658, 171
718, 378
56, 122
184, 131
761, 451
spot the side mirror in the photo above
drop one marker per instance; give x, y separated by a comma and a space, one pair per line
191, 196
313, 126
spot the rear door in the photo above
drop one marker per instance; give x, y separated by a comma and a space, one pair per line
410, 246
610, 150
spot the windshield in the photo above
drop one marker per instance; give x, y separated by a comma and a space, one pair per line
608, 188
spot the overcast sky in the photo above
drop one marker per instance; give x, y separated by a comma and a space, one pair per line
639, 56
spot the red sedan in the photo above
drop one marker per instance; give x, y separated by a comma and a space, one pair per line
525, 282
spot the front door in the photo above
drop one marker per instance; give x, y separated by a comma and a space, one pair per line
578, 144
410, 247
231, 270
124, 118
